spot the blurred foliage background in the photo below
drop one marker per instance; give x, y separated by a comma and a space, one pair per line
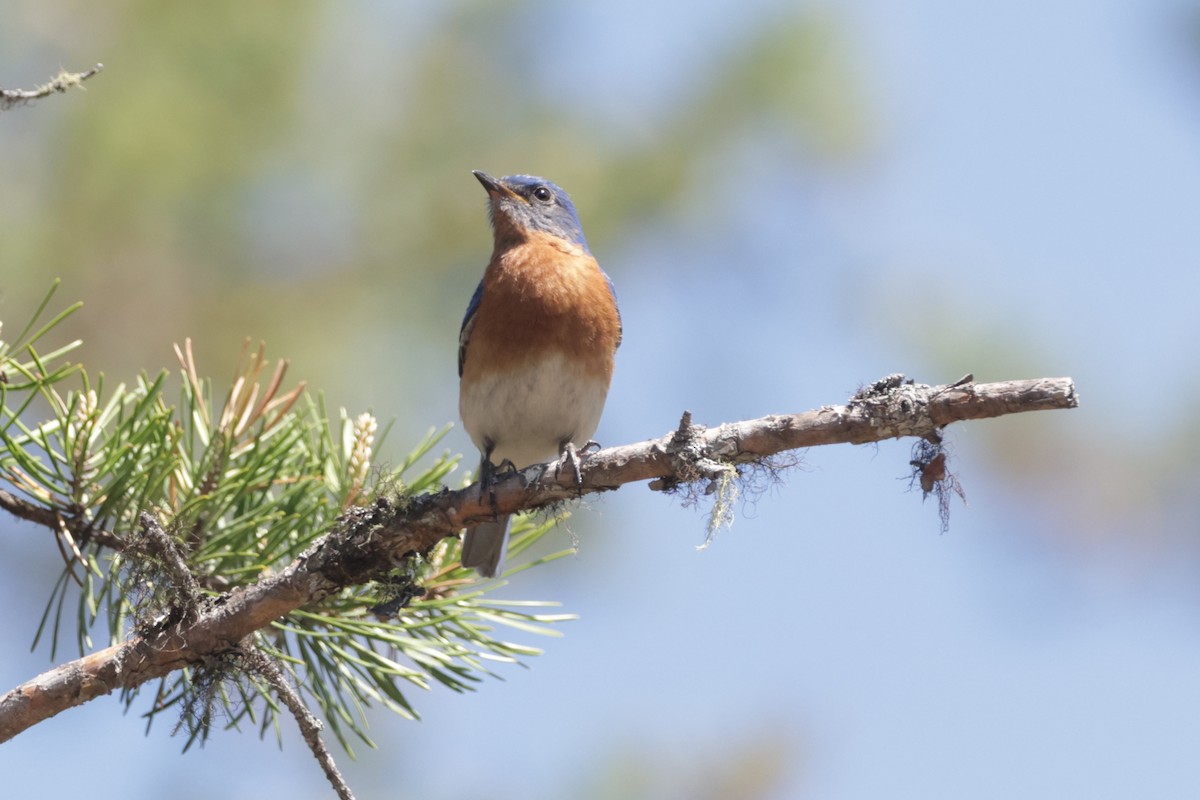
249, 172
792, 199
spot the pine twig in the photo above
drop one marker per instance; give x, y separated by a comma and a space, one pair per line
49, 518
265, 667
10, 98
164, 550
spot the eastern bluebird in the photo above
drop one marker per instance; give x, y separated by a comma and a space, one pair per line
535, 353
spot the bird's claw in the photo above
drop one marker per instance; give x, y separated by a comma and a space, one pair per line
489, 474
570, 455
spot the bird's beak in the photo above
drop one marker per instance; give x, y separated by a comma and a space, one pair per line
494, 187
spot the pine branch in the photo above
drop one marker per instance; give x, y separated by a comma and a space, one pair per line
369, 541
59, 83
310, 727
158, 545
32, 512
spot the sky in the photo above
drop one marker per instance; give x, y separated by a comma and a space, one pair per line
1025, 207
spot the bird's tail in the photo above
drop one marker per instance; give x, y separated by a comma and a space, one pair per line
484, 545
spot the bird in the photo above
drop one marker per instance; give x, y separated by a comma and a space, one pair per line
537, 344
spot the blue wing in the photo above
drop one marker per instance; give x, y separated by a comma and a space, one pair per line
464, 333
620, 325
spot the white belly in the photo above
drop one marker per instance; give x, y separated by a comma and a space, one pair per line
530, 413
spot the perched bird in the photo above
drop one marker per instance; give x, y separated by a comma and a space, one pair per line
535, 353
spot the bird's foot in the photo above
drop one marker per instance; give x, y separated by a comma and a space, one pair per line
570, 455
489, 475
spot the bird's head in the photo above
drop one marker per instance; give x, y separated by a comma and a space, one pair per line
519, 204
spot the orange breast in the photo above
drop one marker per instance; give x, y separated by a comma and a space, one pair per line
543, 297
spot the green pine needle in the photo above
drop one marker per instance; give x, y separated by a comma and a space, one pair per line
243, 480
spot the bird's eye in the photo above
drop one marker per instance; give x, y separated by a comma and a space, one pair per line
543, 194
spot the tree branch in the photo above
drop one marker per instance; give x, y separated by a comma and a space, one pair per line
310, 727
48, 517
369, 541
59, 83
162, 548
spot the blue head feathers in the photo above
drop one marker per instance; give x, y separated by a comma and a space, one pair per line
525, 202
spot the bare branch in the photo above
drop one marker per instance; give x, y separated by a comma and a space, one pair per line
9, 98
260, 663
368, 541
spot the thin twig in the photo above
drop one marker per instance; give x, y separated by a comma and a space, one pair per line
9, 98
83, 532
163, 548
50, 518
310, 727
